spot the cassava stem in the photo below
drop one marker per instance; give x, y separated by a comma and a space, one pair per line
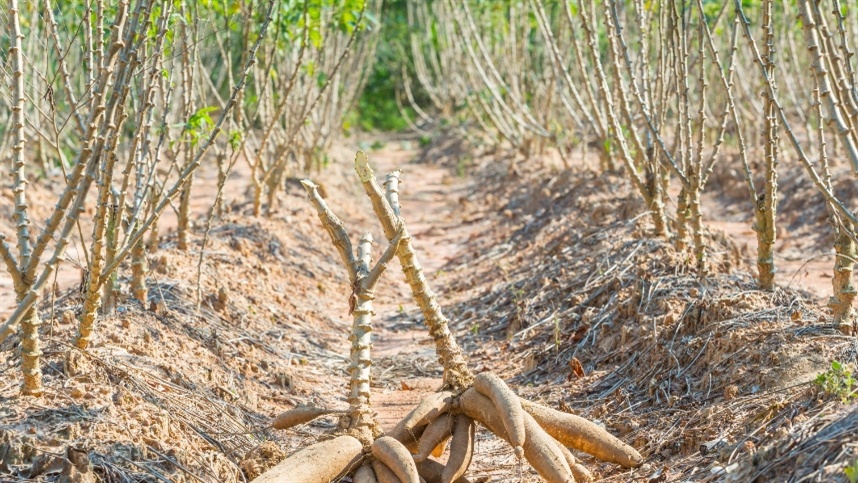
31, 351
363, 280
844, 289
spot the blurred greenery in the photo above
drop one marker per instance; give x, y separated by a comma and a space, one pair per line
376, 108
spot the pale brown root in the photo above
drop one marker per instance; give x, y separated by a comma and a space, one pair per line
435, 434
322, 462
576, 432
461, 449
383, 473
508, 407
364, 474
427, 411
299, 415
582, 474
396, 457
432, 471
579, 471
539, 449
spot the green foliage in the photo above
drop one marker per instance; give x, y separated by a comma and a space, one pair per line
376, 108
198, 124
851, 472
308, 15
711, 8
235, 137
837, 381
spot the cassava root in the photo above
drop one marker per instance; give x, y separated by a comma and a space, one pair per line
507, 405
539, 449
576, 432
461, 449
364, 474
432, 471
436, 433
581, 474
383, 473
322, 462
425, 412
299, 415
396, 457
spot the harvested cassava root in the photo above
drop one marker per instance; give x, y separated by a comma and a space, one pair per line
322, 462
410, 429
299, 415
395, 456
461, 449
507, 405
436, 433
576, 432
539, 449
545, 433
364, 474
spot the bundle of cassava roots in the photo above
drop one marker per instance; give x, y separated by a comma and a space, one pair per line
359, 449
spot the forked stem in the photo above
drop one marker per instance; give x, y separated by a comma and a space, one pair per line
363, 277
457, 376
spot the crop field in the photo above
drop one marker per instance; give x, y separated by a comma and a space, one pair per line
308, 241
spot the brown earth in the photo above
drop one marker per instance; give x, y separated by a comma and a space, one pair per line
539, 268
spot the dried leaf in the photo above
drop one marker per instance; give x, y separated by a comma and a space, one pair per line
576, 368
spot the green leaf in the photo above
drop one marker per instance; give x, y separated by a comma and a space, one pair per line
234, 139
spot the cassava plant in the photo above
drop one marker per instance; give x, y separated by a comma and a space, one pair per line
653, 86
537, 433
363, 278
300, 110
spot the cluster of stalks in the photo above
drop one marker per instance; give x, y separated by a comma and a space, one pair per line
665, 90
121, 104
537, 433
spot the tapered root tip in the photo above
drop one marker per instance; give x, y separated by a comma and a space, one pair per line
519, 452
